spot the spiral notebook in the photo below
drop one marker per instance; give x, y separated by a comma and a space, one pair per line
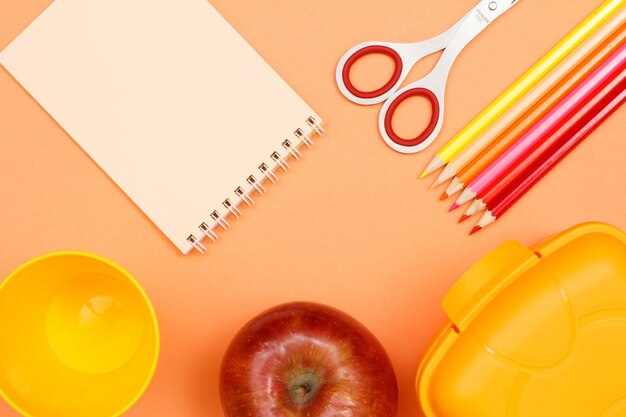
169, 100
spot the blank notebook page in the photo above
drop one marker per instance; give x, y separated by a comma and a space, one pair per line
164, 95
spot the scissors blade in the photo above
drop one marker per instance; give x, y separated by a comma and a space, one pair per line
477, 20
441, 41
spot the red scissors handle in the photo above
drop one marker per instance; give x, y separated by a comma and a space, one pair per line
370, 50
431, 87
432, 124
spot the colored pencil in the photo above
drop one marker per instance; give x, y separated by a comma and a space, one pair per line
538, 101
611, 89
539, 132
523, 84
520, 188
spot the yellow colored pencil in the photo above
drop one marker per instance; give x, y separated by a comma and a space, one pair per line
529, 101
523, 84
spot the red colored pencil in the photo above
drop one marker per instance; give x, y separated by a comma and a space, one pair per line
607, 92
521, 187
539, 131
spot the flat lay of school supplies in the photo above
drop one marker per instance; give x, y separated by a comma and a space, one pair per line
188, 121
431, 87
523, 84
324, 308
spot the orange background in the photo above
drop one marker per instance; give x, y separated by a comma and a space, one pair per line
350, 225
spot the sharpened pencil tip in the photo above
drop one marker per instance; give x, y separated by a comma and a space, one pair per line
475, 229
464, 217
454, 207
466, 196
455, 186
434, 165
444, 196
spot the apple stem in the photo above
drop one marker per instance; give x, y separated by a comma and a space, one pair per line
304, 387
302, 390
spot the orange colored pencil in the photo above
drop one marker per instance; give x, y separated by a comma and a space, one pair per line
576, 134
537, 112
530, 99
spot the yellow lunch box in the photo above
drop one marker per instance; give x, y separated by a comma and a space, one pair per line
535, 332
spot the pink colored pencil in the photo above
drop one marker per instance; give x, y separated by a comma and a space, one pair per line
582, 116
543, 128
524, 184
612, 87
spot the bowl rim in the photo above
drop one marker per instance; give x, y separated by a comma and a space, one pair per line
133, 281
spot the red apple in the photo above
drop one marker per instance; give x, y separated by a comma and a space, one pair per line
307, 360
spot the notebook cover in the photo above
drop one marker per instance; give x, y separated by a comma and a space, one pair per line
164, 95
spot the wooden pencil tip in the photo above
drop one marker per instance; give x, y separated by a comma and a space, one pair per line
434, 165
444, 196
475, 229
454, 207
464, 217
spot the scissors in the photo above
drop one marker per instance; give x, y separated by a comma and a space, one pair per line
432, 86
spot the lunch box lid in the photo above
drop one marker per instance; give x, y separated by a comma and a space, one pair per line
535, 332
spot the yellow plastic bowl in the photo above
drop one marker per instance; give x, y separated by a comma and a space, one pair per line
78, 337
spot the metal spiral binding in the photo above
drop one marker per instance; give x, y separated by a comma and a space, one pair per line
315, 126
220, 220
280, 161
304, 138
206, 229
268, 173
232, 208
257, 185
197, 244
244, 197
291, 149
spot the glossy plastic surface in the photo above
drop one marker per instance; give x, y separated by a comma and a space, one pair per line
535, 333
372, 50
79, 337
